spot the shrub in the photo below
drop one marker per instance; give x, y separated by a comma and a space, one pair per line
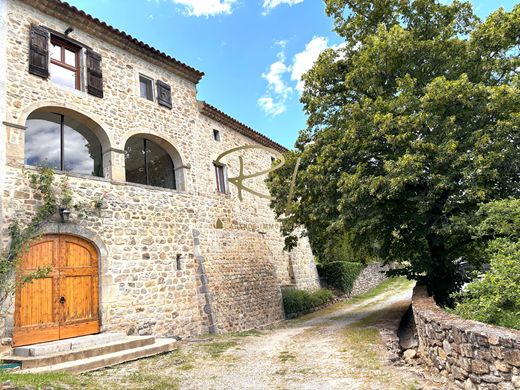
494, 297
340, 275
298, 301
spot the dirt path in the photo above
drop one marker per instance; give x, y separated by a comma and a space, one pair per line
339, 347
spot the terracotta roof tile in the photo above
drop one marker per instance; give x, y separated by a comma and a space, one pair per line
219, 116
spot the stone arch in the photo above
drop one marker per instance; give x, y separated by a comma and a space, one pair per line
88, 119
72, 229
177, 159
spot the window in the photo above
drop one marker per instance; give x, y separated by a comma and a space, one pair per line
64, 67
273, 159
146, 87
216, 135
220, 172
62, 143
148, 163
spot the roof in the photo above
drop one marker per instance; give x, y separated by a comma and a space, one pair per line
76, 17
219, 116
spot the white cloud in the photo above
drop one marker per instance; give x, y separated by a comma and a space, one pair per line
270, 106
274, 78
304, 60
270, 4
280, 74
206, 7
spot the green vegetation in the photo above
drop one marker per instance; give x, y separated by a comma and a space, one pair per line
57, 380
340, 275
494, 297
286, 356
217, 348
298, 301
412, 124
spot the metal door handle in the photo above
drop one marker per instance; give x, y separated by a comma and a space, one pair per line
62, 300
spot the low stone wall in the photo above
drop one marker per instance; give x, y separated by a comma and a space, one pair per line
370, 277
472, 355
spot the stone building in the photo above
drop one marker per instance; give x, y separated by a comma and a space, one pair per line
174, 248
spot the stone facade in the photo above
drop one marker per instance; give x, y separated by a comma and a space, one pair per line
229, 278
474, 356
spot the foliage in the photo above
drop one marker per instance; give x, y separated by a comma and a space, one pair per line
413, 123
341, 275
495, 296
340, 249
298, 301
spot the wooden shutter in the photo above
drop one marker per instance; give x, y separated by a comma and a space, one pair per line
164, 94
39, 52
94, 74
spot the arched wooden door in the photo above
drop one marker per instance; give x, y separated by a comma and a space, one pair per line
65, 303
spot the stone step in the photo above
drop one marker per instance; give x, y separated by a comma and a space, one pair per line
128, 342
82, 342
96, 362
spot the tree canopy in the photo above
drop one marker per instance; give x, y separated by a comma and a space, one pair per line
412, 124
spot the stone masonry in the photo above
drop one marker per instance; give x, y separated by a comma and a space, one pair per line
474, 356
230, 275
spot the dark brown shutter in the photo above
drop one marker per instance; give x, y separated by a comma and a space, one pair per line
164, 94
94, 74
39, 52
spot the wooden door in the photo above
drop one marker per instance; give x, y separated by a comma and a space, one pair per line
65, 303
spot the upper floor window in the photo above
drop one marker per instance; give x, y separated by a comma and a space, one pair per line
216, 135
220, 173
62, 143
64, 67
146, 87
148, 163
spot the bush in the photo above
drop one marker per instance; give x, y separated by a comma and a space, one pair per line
340, 275
494, 297
298, 301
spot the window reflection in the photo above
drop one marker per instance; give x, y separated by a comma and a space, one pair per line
147, 163
62, 143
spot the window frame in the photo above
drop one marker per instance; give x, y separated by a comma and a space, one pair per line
222, 187
216, 135
57, 41
62, 125
152, 83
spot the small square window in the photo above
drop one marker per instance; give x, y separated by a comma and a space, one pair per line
216, 135
146, 87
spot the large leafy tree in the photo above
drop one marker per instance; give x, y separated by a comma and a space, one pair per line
412, 124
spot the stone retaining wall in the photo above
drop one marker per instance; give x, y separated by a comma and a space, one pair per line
474, 356
370, 277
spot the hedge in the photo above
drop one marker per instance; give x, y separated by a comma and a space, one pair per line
340, 275
298, 301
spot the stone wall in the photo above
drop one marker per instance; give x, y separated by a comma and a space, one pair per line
230, 276
474, 356
372, 275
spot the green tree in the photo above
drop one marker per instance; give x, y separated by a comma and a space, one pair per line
412, 124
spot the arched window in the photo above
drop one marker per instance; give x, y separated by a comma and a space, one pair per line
63, 143
148, 163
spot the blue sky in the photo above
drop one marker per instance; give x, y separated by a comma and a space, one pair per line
252, 51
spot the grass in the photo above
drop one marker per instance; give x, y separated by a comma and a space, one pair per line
388, 285
217, 348
286, 356
57, 380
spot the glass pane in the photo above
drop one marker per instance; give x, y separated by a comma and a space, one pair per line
63, 76
42, 140
160, 166
134, 160
70, 57
56, 52
146, 88
82, 149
